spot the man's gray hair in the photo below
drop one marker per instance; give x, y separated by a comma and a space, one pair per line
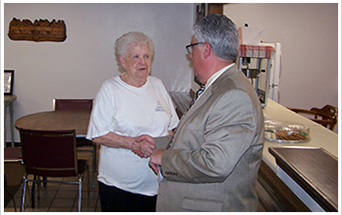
124, 42
221, 33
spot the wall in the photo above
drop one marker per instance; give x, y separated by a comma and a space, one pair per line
77, 67
308, 34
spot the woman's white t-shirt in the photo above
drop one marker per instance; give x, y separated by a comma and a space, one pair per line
130, 111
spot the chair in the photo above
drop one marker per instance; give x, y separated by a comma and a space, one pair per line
14, 172
51, 154
73, 104
326, 116
79, 104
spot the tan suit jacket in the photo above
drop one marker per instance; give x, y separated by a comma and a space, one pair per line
214, 158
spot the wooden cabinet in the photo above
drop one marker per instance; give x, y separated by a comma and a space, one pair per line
215, 8
274, 195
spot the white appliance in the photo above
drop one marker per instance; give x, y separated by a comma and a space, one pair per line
268, 70
275, 73
262, 65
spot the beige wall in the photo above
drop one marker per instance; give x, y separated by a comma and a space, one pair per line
77, 67
308, 34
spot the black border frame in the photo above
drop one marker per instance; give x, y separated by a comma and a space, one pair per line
11, 84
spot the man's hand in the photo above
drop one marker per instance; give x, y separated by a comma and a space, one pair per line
143, 146
155, 159
154, 168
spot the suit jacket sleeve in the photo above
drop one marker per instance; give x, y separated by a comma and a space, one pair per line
229, 128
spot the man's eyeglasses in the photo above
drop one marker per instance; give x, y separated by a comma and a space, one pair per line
189, 47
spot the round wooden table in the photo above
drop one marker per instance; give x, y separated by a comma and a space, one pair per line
56, 120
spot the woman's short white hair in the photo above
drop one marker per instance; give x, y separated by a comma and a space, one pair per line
124, 42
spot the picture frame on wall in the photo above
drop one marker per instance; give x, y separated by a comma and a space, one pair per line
8, 82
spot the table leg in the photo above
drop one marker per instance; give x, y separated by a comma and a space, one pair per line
33, 192
5, 127
11, 125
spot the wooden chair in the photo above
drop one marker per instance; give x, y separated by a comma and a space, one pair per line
51, 154
13, 174
73, 104
79, 104
326, 116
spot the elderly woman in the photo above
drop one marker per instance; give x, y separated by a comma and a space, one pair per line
129, 111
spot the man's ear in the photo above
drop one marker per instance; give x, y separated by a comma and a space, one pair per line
206, 50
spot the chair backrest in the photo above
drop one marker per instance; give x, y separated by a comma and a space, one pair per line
326, 116
12, 154
49, 153
73, 104
328, 112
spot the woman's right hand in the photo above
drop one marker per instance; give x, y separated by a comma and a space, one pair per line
143, 146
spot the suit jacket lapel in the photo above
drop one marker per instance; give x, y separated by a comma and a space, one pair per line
208, 93
203, 98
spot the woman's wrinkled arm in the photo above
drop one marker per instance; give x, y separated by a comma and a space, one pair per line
142, 145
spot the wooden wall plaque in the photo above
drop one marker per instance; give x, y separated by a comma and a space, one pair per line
40, 30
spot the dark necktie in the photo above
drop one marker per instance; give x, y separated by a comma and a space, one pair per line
198, 93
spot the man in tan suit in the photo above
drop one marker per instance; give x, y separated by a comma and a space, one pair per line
214, 157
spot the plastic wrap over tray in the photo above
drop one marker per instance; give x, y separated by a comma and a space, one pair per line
286, 132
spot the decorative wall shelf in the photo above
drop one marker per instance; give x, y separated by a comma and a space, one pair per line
41, 30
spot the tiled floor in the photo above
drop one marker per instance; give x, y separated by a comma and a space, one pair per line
58, 197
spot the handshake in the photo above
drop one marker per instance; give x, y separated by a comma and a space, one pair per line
144, 147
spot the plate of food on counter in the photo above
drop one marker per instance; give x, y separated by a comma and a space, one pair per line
286, 132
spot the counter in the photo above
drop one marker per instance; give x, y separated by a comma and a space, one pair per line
320, 136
